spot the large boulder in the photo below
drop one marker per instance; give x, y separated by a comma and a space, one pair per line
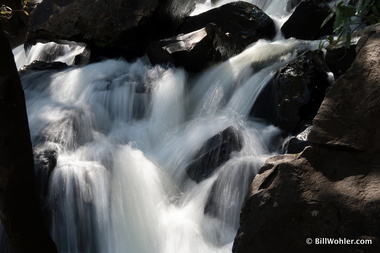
332, 189
214, 153
121, 24
295, 94
193, 51
306, 20
322, 193
238, 25
213, 36
349, 116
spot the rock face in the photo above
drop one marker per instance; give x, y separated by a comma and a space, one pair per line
215, 152
353, 104
331, 189
20, 212
213, 36
124, 24
306, 20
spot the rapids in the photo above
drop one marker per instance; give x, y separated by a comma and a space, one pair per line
124, 133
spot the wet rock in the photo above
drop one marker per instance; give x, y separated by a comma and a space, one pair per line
238, 24
300, 89
234, 182
193, 51
306, 20
291, 100
44, 164
213, 36
214, 153
41, 65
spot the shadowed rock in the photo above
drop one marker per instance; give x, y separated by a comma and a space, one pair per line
215, 152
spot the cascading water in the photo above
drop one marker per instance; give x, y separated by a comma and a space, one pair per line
124, 134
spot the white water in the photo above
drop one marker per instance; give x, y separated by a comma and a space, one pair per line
125, 133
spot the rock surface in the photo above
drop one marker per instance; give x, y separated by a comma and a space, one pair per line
213, 36
238, 24
306, 20
215, 152
295, 94
331, 189
20, 212
124, 24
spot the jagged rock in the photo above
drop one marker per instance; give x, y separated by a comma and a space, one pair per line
331, 189
193, 51
214, 153
296, 144
108, 25
306, 20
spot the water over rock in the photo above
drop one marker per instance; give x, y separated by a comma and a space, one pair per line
306, 20
331, 189
215, 152
213, 36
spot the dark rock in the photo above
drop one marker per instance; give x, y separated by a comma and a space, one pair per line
108, 25
20, 211
41, 65
296, 144
238, 25
234, 182
331, 189
193, 51
213, 36
16, 27
300, 88
44, 164
291, 100
265, 104
214, 153
340, 59
306, 20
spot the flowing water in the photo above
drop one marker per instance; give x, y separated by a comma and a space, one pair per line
124, 134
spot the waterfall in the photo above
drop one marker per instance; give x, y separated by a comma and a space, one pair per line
125, 133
